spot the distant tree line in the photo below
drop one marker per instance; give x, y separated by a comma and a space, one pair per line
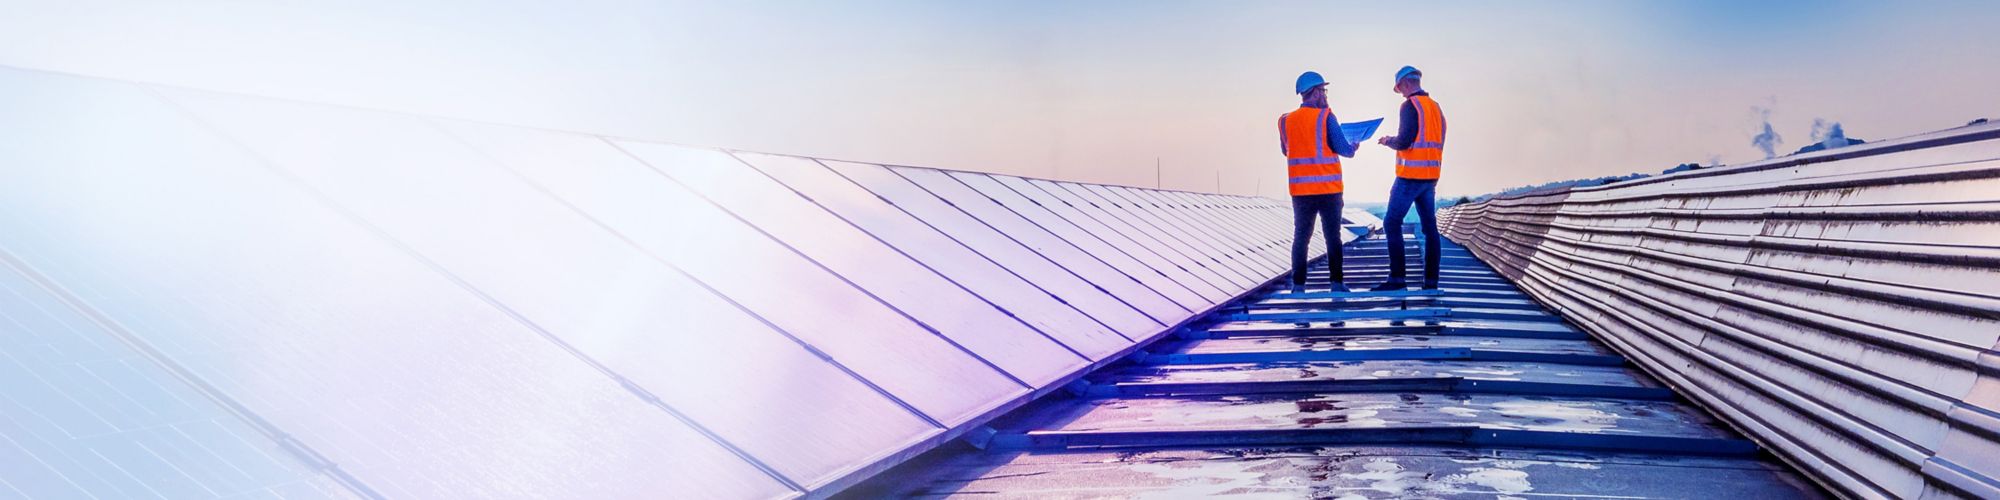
1572, 183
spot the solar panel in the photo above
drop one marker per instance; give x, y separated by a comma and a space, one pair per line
1120, 316
214, 295
1064, 253
1243, 248
1179, 237
924, 295
88, 415
1082, 241
1200, 235
1167, 246
1007, 289
373, 369
1210, 288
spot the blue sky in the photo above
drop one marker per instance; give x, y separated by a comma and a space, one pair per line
1091, 91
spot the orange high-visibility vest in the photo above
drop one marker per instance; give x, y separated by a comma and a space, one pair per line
1425, 156
1313, 166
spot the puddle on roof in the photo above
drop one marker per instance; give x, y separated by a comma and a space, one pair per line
1503, 481
1328, 473
1218, 478
1386, 476
1364, 370
1378, 410
1573, 416
1489, 373
1315, 413
1460, 411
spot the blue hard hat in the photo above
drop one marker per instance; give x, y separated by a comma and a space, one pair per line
1307, 81
1408, 71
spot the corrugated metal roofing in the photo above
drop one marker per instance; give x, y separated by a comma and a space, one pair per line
1471, 391
1841, 306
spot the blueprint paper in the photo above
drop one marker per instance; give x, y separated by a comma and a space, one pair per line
1359, 131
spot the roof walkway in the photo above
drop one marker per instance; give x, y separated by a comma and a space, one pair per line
1470, 391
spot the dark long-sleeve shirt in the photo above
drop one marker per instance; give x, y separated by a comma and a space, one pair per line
1335, 140
1406, 130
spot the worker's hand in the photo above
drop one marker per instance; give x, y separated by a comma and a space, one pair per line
1384, 140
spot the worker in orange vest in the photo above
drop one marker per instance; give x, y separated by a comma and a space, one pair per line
1312, 142
1419, 145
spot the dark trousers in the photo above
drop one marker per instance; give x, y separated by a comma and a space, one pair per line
1424, 195
1304, 208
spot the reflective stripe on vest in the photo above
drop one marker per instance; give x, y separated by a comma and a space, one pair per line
1312, 161
1311, 165
1424, 158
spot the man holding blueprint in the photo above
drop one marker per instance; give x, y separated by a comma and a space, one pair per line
1313, 141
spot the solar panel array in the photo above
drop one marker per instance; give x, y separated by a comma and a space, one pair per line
215, 295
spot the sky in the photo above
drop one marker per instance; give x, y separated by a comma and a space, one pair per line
1173, 94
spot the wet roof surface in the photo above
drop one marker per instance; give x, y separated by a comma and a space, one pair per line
1474, 391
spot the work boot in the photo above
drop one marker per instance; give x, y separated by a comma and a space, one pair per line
1298, 288
1340, 288
1391, 286
1430, 285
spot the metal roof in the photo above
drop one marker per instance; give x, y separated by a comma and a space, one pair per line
211, 295
1840, 306
1471, 391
